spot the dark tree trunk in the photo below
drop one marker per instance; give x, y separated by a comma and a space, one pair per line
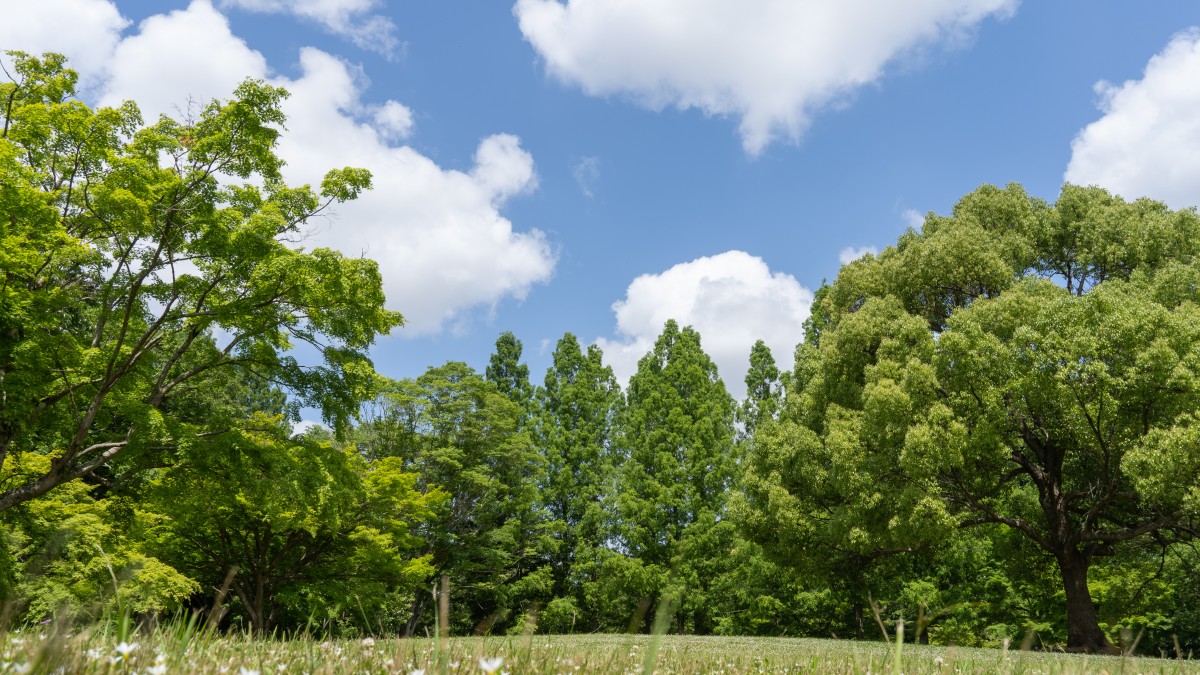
420, 598
1083, 628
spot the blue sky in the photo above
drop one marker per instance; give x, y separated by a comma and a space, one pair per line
599, 166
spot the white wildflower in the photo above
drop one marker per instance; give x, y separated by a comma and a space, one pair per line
368, 642
157, 669
490, 665
125, 649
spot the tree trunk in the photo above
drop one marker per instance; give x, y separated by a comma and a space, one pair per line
420, 597
1083, 628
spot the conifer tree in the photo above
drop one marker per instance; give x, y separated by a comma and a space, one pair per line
678, 434
574, 432
763, 390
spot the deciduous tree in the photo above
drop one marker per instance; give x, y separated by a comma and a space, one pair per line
125, 249
1017, 364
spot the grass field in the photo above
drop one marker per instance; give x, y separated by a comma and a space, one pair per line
183, 650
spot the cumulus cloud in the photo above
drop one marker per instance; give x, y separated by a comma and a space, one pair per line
732, 299
442, 244
85, 31
354, 20
393, 119
771, 64
187, 55
1147, 144
851, 253
913, 218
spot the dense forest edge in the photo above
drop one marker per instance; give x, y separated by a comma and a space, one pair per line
991, 435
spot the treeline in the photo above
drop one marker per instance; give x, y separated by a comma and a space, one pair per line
569, 506
992, 429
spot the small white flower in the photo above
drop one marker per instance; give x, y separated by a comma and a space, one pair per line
490, 665
94, 654
418, 671
125, 649
368, 642
157, 669
453, 664
246, 671
21, 668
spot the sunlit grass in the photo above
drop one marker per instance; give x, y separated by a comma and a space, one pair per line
182, 648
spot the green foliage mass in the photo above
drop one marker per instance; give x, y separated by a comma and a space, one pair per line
1018, 364
125, 248
462, 436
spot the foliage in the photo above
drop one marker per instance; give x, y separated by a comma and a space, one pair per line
763, 390
126, 248
574, 433
460, 435
676, 433
305, 530
1019, 364
85, 558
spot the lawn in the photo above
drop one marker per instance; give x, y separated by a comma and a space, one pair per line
178, 649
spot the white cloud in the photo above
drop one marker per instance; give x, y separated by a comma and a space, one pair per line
913, 218
187, 55
85, 31
772, 64
850, 253
441, 242
303, 426
1147, 144
732, 299
587, 172
355, 20
393, 119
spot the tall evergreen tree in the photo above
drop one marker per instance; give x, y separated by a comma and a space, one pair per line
574, 432
677, 429
763, 390
506, 371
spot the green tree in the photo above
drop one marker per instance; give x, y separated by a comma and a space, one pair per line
676, 430
763, 390
1018, 364
306, 530
574, 432
85, 558
460, 435
125, 248
506, 371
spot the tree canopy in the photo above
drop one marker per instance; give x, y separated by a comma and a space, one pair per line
127, 249
1017, 364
